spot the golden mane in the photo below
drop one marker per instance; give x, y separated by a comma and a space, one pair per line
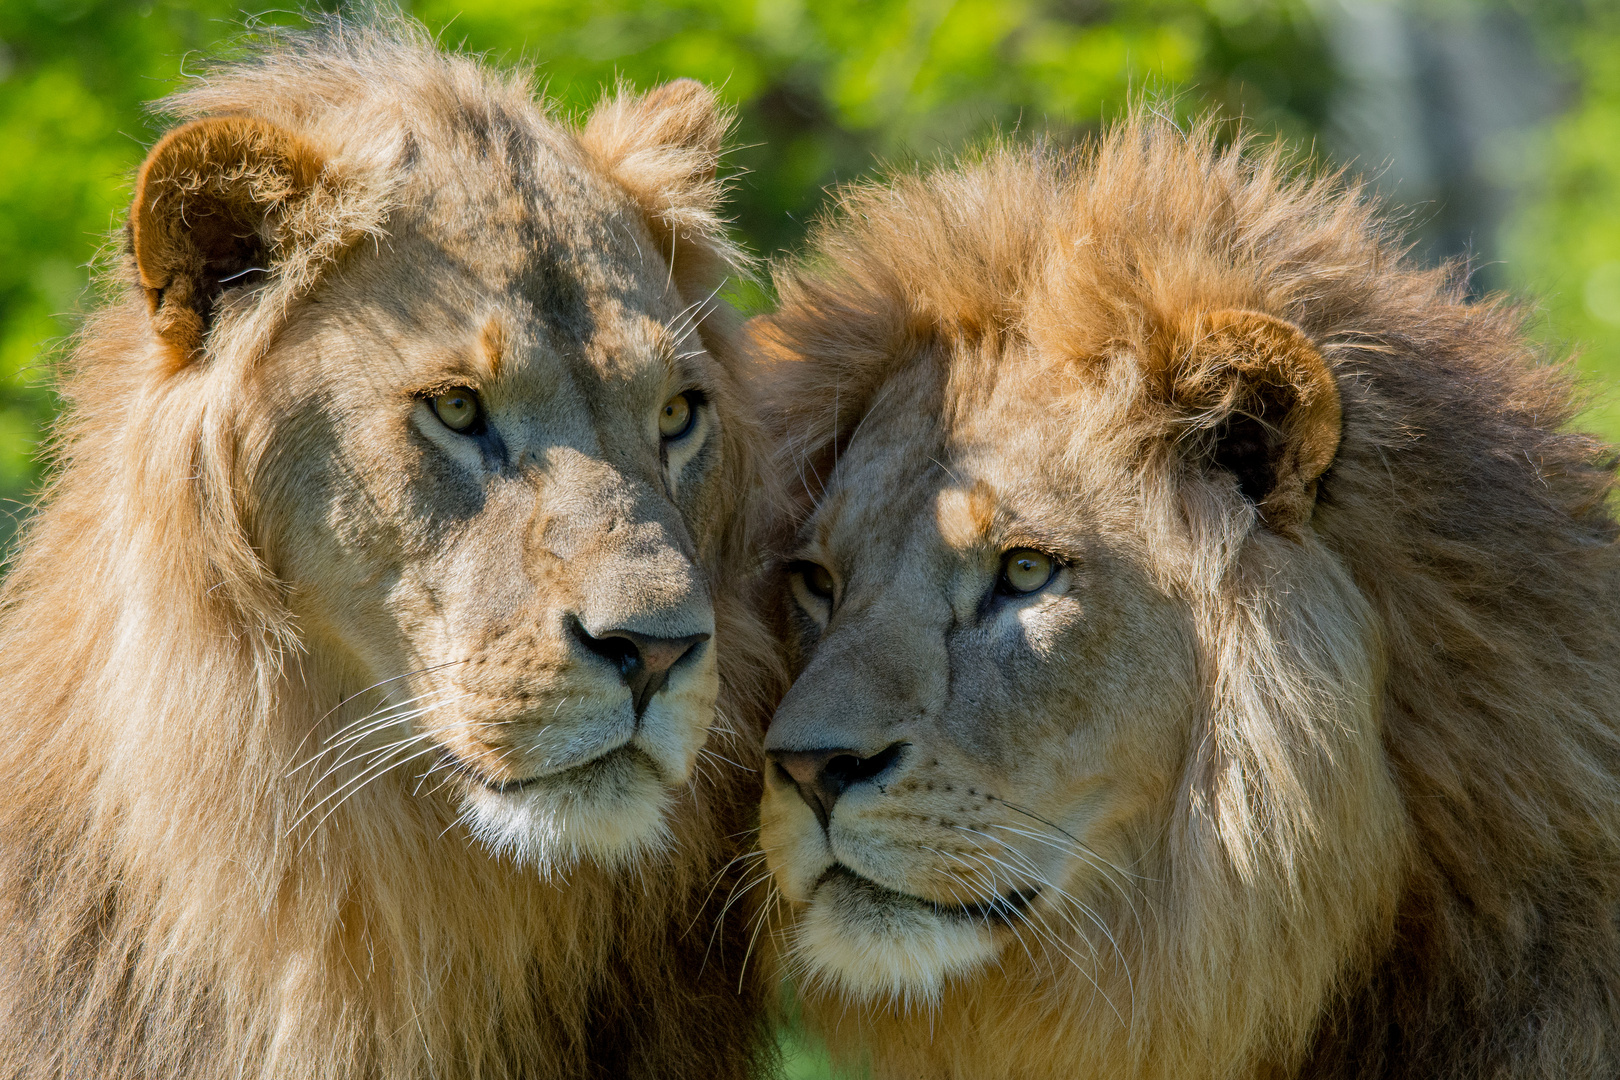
165, 907
1475, 935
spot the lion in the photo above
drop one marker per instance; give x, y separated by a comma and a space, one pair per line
1205, 635
385, 687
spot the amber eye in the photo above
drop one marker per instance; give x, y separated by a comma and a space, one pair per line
818, 580
675, 418
1023, 570
457, 409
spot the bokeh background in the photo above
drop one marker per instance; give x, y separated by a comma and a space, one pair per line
1492, 127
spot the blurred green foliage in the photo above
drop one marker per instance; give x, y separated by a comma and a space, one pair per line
825, 87
74, 75
803, 1056
1565, 244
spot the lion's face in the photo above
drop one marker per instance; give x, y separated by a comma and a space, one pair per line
1033, 676
484, 455
994, 691
502, 539
501, 530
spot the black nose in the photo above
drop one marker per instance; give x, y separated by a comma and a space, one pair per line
643, 661
823, 775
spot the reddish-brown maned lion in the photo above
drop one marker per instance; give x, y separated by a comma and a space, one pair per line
1208, 636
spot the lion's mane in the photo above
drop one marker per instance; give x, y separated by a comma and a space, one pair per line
1482, 936
163, 913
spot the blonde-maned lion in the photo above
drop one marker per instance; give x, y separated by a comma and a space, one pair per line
1207, 638
380, 690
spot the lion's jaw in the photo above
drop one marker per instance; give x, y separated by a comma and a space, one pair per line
597, 786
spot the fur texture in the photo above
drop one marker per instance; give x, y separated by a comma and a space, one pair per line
321, 753
1303, 760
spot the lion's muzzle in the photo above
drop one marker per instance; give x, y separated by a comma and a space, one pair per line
642, 660
582, 688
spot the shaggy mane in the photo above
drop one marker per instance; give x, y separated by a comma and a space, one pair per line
1472, 520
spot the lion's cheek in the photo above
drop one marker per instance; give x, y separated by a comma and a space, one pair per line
888, 845
796, 850
681, 720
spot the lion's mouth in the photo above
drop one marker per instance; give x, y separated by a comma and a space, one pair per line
605, 766
1001, 910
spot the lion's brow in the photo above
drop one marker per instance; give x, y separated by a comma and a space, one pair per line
492, 345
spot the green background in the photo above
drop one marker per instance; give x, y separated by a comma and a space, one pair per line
828, 88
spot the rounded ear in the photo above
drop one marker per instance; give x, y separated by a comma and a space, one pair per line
1250, 394
206, 201
663, 148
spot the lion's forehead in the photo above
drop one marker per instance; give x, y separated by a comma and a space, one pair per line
913, 484
508, 199
575, 269
578, 334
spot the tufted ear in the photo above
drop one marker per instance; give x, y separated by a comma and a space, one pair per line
208, 200
1250, 394
663, 147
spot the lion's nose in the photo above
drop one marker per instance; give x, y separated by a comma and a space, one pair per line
823, 775
643, 661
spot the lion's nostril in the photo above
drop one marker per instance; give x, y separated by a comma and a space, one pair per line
821, 776
847, 769
619, 651
643, 661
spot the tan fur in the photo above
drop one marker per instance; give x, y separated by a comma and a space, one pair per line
309, 771
1309, 745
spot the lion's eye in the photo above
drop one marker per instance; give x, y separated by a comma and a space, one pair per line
457, 409
1024, 570
818, 580
675, 418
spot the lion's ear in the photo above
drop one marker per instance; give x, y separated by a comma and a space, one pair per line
1250, 394
207, 201
663, 148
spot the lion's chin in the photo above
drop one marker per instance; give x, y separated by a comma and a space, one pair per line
871, 944
611, 811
